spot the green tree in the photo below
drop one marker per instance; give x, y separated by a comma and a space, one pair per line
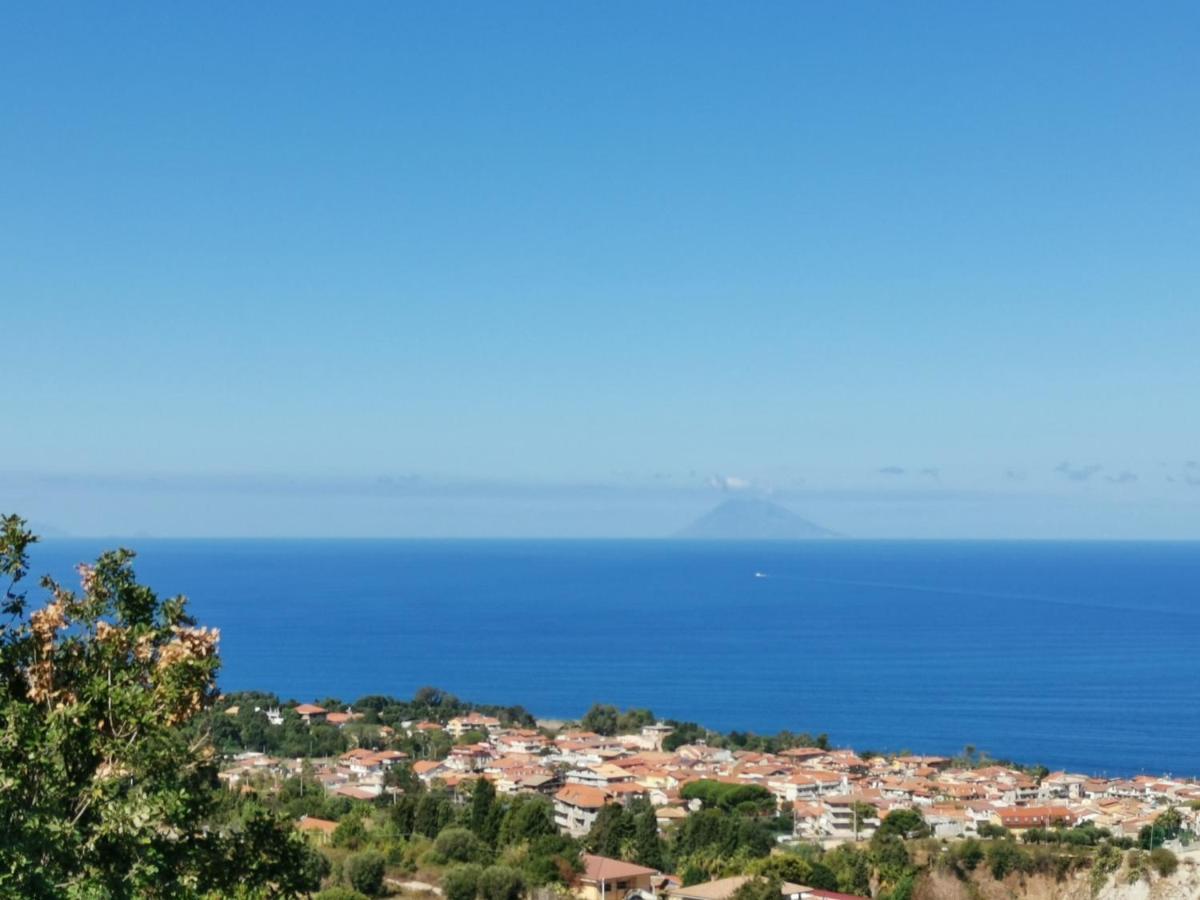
485, 813
104, 793
747, 798
529, 817
1004, 857
500, 883
634, 720
462, 882
968, 854
759, 888
339, 893
433, 813
612, 830
460, 845
904, 823
350, 833
890, 857
364, 871
647, 845
602, 719
552, 859
851, 868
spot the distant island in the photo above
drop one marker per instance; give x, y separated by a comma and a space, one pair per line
752, 519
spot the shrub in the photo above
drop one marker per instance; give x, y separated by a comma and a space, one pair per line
340, 893
460, 845
364, 871
968, 854
1164, 861
500, 883
350, 833
1004, 857
461, 882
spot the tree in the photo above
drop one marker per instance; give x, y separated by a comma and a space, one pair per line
552, 859
485, 814
602, 719
748, 798
904, 823
500, 883
968, 854
461, 882
1164, 861
459, 845
364, 871
613, 828
798, 870
104, 792
530, 816
350, 832
1004, 857
634, 720
851, 868
759, 889
647, 846
433, 813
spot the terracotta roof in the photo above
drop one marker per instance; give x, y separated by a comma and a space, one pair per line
312, 823
723, 888
583, 796
601, 868
308, 709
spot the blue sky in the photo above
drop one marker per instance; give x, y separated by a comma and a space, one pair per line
583, 269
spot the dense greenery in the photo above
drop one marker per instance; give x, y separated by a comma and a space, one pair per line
750, 799
103, 793
248, 729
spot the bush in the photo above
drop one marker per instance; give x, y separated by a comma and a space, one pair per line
364, 871
746, 798
350, 833
500, 883
968, 854
461, 882
1164, 861
339, 893
1004, 857
460, 845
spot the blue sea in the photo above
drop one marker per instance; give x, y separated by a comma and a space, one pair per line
1077, 655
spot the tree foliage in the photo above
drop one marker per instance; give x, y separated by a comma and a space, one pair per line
101, 791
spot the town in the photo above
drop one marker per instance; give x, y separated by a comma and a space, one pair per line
812, 795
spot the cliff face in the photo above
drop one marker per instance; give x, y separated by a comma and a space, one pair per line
1183, 885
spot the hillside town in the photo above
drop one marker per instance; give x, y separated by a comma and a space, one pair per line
831, 796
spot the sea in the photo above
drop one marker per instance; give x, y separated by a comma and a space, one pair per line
1083, 656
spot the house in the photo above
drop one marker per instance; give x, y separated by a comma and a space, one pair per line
724, 888
847, 817
310, 712
319, 829
612, 879
666, 816
657, 733
599, 776
1019, 818
460, 725
576, 807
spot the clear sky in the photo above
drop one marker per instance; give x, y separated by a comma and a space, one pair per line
565, 268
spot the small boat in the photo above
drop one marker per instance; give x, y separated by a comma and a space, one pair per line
760, 574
